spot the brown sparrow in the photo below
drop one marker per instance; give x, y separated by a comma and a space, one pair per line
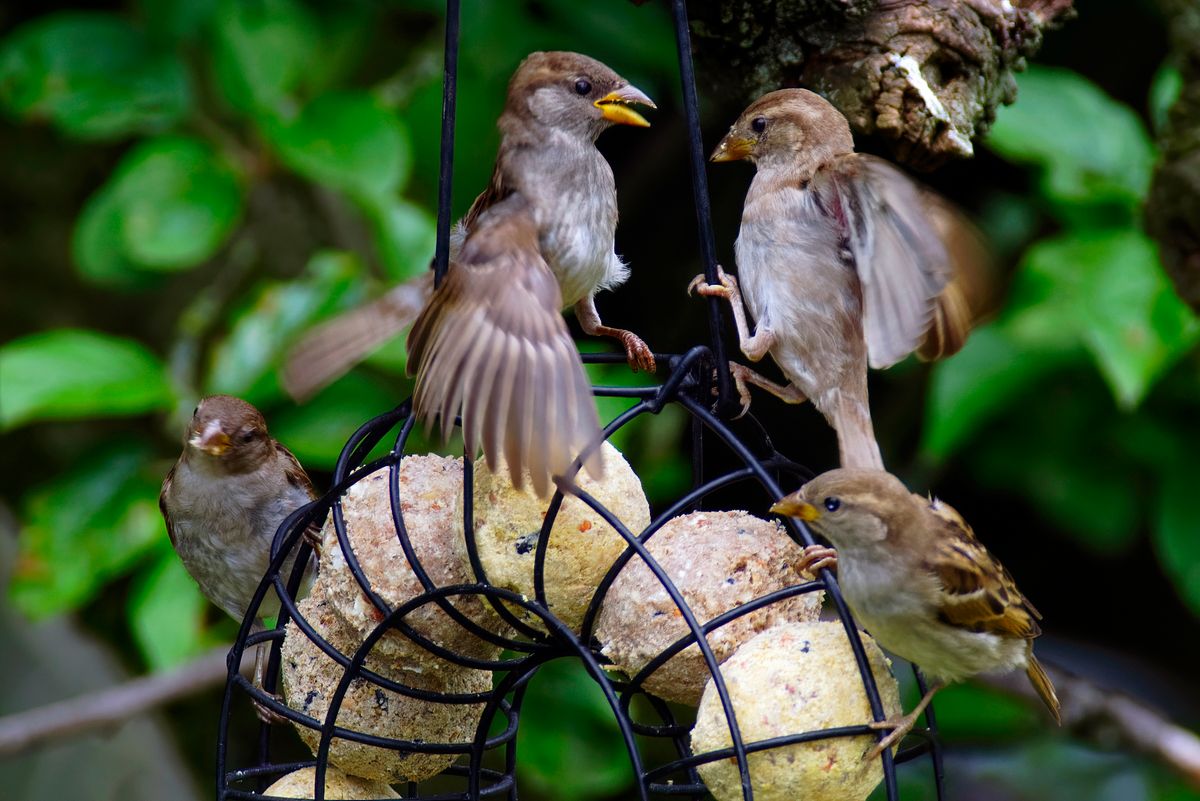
916, 578
841, 261
223, 501
558, 104
492, 341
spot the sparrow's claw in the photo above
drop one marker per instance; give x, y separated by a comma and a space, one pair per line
743, 391
817, 557
728, 288
637, 352
312, 535
266, 714
899, 726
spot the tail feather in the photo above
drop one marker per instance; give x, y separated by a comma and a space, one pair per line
1041, 683
329, 350
856, 436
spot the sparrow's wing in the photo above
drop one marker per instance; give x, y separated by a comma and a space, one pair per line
498, 189
492, 345
294, 471
333, 347
971, 290
978, 594
901, 262
162, 502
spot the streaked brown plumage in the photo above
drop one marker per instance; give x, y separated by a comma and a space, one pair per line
840, 261
557, 104
492, 341
919, 581
223, 501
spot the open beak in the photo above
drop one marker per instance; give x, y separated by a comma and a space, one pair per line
614, 106
732, 148
792, 506
212, 440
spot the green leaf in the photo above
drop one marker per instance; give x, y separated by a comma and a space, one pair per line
71, 373
98, 247
243, 362
982, 380
177, 20
178, 203
1165, 88
972, 712
1177, 531
1109, 290
316, 431
1092, 149
87, 526
262, 51
92, 75
566, 723
405, 235
166, 613
346, 141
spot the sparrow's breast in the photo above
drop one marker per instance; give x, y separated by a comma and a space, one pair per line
795, 280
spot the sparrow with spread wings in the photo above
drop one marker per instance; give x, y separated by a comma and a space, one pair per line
843, 261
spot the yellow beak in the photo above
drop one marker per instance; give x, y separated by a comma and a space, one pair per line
792, 506
614, 106
732, 148
212, 440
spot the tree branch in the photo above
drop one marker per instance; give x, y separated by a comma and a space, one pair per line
1112, 720
925, 76
113, 705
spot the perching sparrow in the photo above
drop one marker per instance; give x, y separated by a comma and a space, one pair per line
841, 261
223, 501
492, 340
916, 578
558, 104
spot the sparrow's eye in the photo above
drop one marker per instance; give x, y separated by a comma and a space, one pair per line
832, 504
248, 435
583, 86
195, 411
758, 124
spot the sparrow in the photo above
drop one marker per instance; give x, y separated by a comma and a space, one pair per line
222, 502
558, 103
918, 580
492, 342
842, 261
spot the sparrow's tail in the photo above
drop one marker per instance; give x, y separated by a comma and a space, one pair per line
851, 419
328, 351
1041, 683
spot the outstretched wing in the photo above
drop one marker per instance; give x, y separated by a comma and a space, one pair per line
493, 346
901, 262
978, 593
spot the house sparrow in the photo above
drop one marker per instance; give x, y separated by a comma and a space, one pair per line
558, 104
914, 575
492, 340
223, 501
843, 262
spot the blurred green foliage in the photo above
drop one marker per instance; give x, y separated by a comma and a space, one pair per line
215, 109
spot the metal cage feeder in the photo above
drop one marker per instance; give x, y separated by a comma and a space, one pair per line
692, 380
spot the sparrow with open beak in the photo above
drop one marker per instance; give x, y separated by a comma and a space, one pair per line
223, 501
916, 578
558, 104
492, 342
843, 262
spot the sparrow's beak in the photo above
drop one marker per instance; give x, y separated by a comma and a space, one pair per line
614, 106
732, 148
212, 440
792, 506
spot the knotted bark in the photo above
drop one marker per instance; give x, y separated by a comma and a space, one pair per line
923, 76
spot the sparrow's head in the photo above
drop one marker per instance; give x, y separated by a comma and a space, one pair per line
228, 431
573, 93
787, 125
849, 507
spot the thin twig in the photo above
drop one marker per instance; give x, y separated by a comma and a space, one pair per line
112, 706
1097, 714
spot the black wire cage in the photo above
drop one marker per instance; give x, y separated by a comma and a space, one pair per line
700, 383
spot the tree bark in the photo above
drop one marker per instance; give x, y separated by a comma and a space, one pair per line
1173, 205
923, 76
